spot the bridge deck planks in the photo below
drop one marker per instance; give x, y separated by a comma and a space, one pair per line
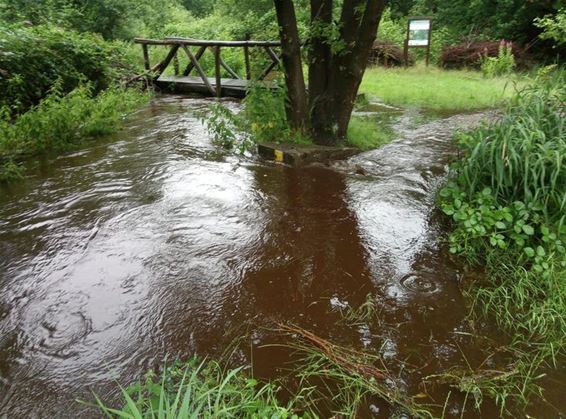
191, 84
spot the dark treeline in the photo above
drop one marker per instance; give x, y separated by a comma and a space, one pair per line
42, 41
122, 19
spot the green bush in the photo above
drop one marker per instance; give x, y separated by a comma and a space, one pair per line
554, 27
33, 59
10, 171
392, 30
60, 123
112, 19
262, 119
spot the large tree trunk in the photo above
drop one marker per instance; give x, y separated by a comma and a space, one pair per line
296, 107
335, 71
359, 30
320, 65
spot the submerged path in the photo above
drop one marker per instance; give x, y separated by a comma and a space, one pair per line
157, 243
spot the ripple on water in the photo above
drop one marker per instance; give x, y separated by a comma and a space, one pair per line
422, 283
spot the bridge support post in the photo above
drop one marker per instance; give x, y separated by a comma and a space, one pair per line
217, 71
145, 57
176, 65
247, 61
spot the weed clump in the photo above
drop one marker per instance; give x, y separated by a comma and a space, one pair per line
199, 389
262, 119
501, 65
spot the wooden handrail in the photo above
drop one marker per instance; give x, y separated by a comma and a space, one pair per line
174, 44
205, 43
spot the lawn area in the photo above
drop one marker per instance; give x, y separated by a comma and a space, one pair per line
436, 89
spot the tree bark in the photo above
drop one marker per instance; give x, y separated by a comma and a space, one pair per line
296, 106
320, 65
335, 71
359, 32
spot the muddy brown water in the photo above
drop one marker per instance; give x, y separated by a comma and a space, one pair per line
156, 243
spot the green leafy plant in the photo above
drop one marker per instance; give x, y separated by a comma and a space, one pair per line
10, 171
501, 65
554, 27
33, 59
261, 120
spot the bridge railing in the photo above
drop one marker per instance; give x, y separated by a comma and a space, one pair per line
185, 44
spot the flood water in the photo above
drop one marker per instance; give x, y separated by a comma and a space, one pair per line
156, 243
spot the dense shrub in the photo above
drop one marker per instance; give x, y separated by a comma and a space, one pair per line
33, 59
60, 123
473, 54
554, 27
112, 19
388, 54
510, 19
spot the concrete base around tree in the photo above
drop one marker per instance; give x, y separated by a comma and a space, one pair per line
300, 155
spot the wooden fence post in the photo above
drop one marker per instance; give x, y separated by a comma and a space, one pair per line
190, 66
217, 71
199, 69
145, 57
176, 64
247, 61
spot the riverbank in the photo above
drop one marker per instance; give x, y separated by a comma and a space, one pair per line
61, 123
507, 200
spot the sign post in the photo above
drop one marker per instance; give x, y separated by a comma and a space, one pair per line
419, 32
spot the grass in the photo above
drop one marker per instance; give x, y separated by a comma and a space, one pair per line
511, 386
523, 157
430, 88
343, 378
369, 132
198, 389
61, 122
327, 378
438, 90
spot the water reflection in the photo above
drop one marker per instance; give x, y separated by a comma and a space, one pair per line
310, 250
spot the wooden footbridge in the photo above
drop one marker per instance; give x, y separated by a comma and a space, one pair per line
194, 49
